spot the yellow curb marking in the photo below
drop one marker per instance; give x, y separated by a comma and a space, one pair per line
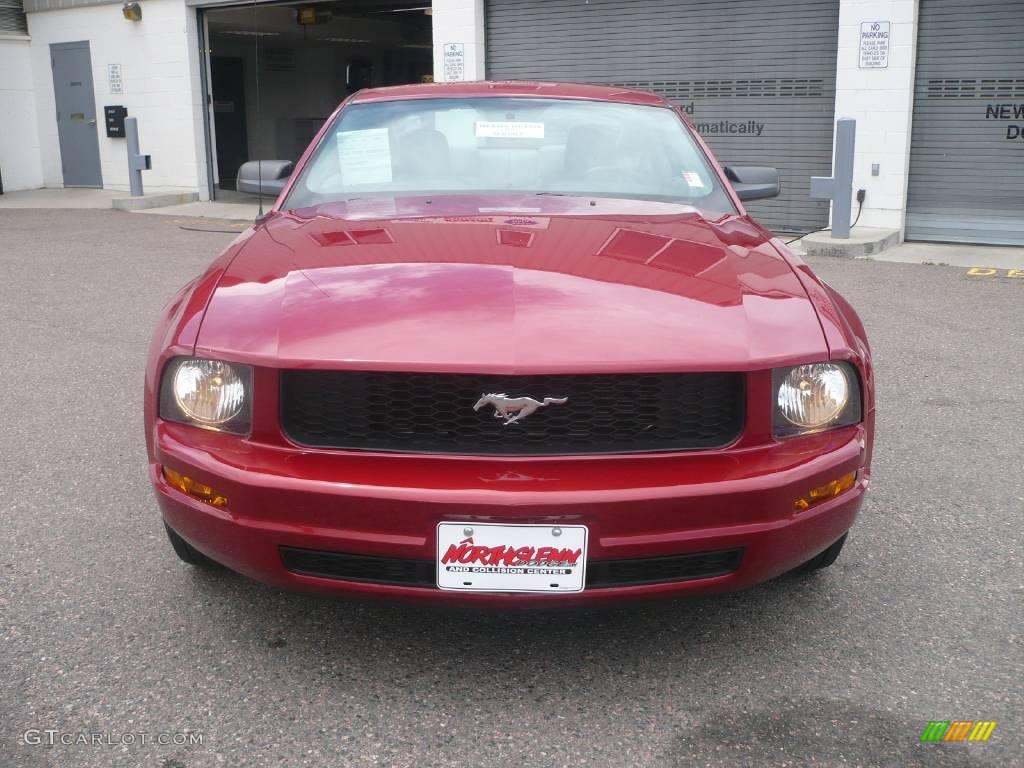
993, 272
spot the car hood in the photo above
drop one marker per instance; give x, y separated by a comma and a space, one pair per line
596, 287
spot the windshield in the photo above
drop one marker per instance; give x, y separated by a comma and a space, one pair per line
509, 145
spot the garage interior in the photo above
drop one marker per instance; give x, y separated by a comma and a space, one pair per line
311, 56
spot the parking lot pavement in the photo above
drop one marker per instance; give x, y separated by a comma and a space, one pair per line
104, 631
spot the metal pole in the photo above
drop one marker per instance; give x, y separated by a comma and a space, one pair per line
137, 163
839, 186
842, 197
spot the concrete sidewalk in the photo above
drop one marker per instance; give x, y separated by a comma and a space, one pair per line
999, 257
956, 255
231, 206
214, 209
60, 198
77, 198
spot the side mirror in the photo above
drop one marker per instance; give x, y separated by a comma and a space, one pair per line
266, 177
754, 182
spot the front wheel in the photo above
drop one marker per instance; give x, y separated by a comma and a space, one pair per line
186, 552
825, 559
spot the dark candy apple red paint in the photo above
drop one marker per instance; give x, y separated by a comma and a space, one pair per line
431, 384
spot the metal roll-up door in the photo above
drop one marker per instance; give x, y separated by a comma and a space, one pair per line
967, 142
757, 78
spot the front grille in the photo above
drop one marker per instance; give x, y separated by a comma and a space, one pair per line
379, 570
658, 570
433, 413
600, 573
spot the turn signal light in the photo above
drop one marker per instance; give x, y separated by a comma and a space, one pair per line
825, 492
196, 490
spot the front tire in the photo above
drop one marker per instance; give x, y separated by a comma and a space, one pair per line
186, 552
825, 559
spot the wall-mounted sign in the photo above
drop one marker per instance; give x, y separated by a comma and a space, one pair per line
114, 118
874, 45
454, 62
114, 79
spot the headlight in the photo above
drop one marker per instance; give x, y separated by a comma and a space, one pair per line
813, 397
207, 393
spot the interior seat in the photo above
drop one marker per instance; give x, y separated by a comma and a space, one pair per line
424, 154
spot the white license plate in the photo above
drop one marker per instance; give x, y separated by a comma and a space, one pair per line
485, 557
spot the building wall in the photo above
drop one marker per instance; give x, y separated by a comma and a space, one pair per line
459, 21
161, 88
19, 135
882, 101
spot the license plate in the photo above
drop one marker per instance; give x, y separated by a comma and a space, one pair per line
485, 557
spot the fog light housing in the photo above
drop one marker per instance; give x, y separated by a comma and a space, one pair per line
825, 492
196, 490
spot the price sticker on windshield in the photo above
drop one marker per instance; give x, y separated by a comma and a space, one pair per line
509, 130
693, 179
365, 156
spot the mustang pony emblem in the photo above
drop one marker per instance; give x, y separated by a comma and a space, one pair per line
512, 409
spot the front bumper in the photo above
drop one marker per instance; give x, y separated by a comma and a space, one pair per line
388, 506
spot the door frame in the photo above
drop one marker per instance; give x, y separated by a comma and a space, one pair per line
205, 75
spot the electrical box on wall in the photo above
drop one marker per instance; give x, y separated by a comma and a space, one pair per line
114, 118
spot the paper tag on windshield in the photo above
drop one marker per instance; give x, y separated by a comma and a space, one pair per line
693, 179
365, 156
509, 130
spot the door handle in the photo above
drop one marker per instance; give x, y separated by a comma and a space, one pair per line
92, 122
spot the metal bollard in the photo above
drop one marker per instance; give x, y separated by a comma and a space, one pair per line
137, 163
839, 186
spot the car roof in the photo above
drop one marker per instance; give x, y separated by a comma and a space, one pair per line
521, 88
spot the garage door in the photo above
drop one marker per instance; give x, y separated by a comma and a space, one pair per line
757, 78
967, 142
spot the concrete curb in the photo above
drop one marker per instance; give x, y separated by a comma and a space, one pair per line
156, 200
863, 241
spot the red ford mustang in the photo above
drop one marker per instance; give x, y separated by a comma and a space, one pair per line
509, 342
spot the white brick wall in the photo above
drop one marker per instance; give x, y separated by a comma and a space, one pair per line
882, 101
19, 135
161, 88
459, 21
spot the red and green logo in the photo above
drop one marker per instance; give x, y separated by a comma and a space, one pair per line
958, 730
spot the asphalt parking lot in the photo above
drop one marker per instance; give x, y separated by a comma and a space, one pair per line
104, 631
